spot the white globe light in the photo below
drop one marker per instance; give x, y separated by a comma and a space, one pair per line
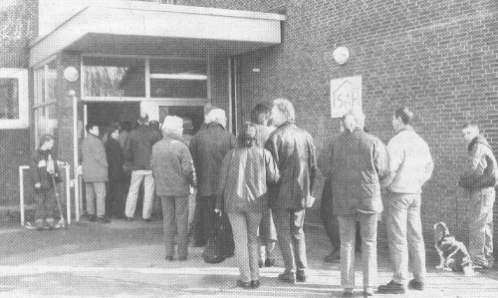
341, 55
71, 74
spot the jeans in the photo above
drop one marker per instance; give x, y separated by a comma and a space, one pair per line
45, 204
131, 200
291, 240
368, 233
404, 235
245, 235
481, 226
95, 196
175, 220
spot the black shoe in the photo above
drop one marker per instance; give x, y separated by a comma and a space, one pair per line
289, 277
169, 258
103, 220
255, 284
148, 219
269, 262
392, 288
416, 285
260, 264
347, 293
244, 284
92, 218
300, 276
129, 218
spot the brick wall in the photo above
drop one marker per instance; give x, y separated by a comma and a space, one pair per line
438, 57
17, 27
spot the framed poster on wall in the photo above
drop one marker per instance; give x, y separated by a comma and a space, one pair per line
345, 95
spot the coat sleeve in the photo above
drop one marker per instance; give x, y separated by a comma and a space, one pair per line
396, 156
381, 160
313, 168
429, 165
476, 166
187, 164
100, 155
271, 146
223, 180
154, 160
35, 175
272, 172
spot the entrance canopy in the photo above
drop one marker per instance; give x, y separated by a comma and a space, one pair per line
160, 29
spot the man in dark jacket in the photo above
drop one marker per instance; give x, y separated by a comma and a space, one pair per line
294, 152
208, 147
117, 177
479, 181
138, 150
358, 162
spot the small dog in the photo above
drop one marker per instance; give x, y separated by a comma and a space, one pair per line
452, 253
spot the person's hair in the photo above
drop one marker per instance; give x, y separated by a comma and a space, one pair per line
247, 135
154, 124
126, 125
217, 116
358, 117
404, 114
470, 125
144, 118
286, 108
90, 125
45, 138
260, 113
172, 125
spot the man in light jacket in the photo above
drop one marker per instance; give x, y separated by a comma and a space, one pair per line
410, 167
95, 173
479, 181
359, 163
294, 152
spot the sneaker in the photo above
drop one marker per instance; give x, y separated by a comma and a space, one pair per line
103, 220
300, 276
255, 284
269, 262
244, 284
416, 285
347, 293
289, 277
332, 257
392, 288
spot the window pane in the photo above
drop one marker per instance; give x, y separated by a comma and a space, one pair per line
9, 99
51, 81
178, 88
39, 86
45, 121
178, 78
118, 77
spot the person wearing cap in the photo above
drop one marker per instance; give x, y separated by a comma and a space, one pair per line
410, 167
173, 171
44, 172
358, 165
242, 194
138, 150
208, 148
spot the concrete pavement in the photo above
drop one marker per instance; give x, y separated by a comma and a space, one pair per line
126, 259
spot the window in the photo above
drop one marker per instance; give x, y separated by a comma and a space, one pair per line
45, 101
178, 78
113, 77
14, 109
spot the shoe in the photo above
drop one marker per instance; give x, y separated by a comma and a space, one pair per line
103, 220
347, 293
392, 288
289, 277
416, 285
300, 276
129, 218
333, 257
148, 219
255, 284
244, 284
269, 262
169, 258
92, 218
260, 264
39, 224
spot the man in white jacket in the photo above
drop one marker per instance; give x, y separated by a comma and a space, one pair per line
410, 167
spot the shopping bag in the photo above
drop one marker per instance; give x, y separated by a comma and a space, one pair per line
220, 242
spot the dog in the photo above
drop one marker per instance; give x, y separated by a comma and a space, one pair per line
453, 254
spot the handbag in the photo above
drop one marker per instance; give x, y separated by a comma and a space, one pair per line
220, 242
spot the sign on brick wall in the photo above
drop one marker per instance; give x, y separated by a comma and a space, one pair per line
345, 95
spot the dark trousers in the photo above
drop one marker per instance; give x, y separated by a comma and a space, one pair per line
116, 198
45, 204
204, 219
291, 240
175, 222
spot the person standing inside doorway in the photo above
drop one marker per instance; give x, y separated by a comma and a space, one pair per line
95, 174
294, 152
138, 150
410, 167
117, 177
479, 181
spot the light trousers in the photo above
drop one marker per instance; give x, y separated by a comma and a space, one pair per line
368, 233
481, 226
95, 196
245, 235
404, 236
131, 200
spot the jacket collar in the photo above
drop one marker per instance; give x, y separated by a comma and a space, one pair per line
171, 136
215, 125
406, 128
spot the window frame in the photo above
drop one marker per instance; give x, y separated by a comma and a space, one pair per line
41, 100
21, 75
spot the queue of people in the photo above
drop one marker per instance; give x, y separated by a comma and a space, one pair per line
263, 181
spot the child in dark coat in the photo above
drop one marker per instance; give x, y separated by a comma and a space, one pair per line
45, 175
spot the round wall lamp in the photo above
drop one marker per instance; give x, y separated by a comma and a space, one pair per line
71, 74
341, 55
